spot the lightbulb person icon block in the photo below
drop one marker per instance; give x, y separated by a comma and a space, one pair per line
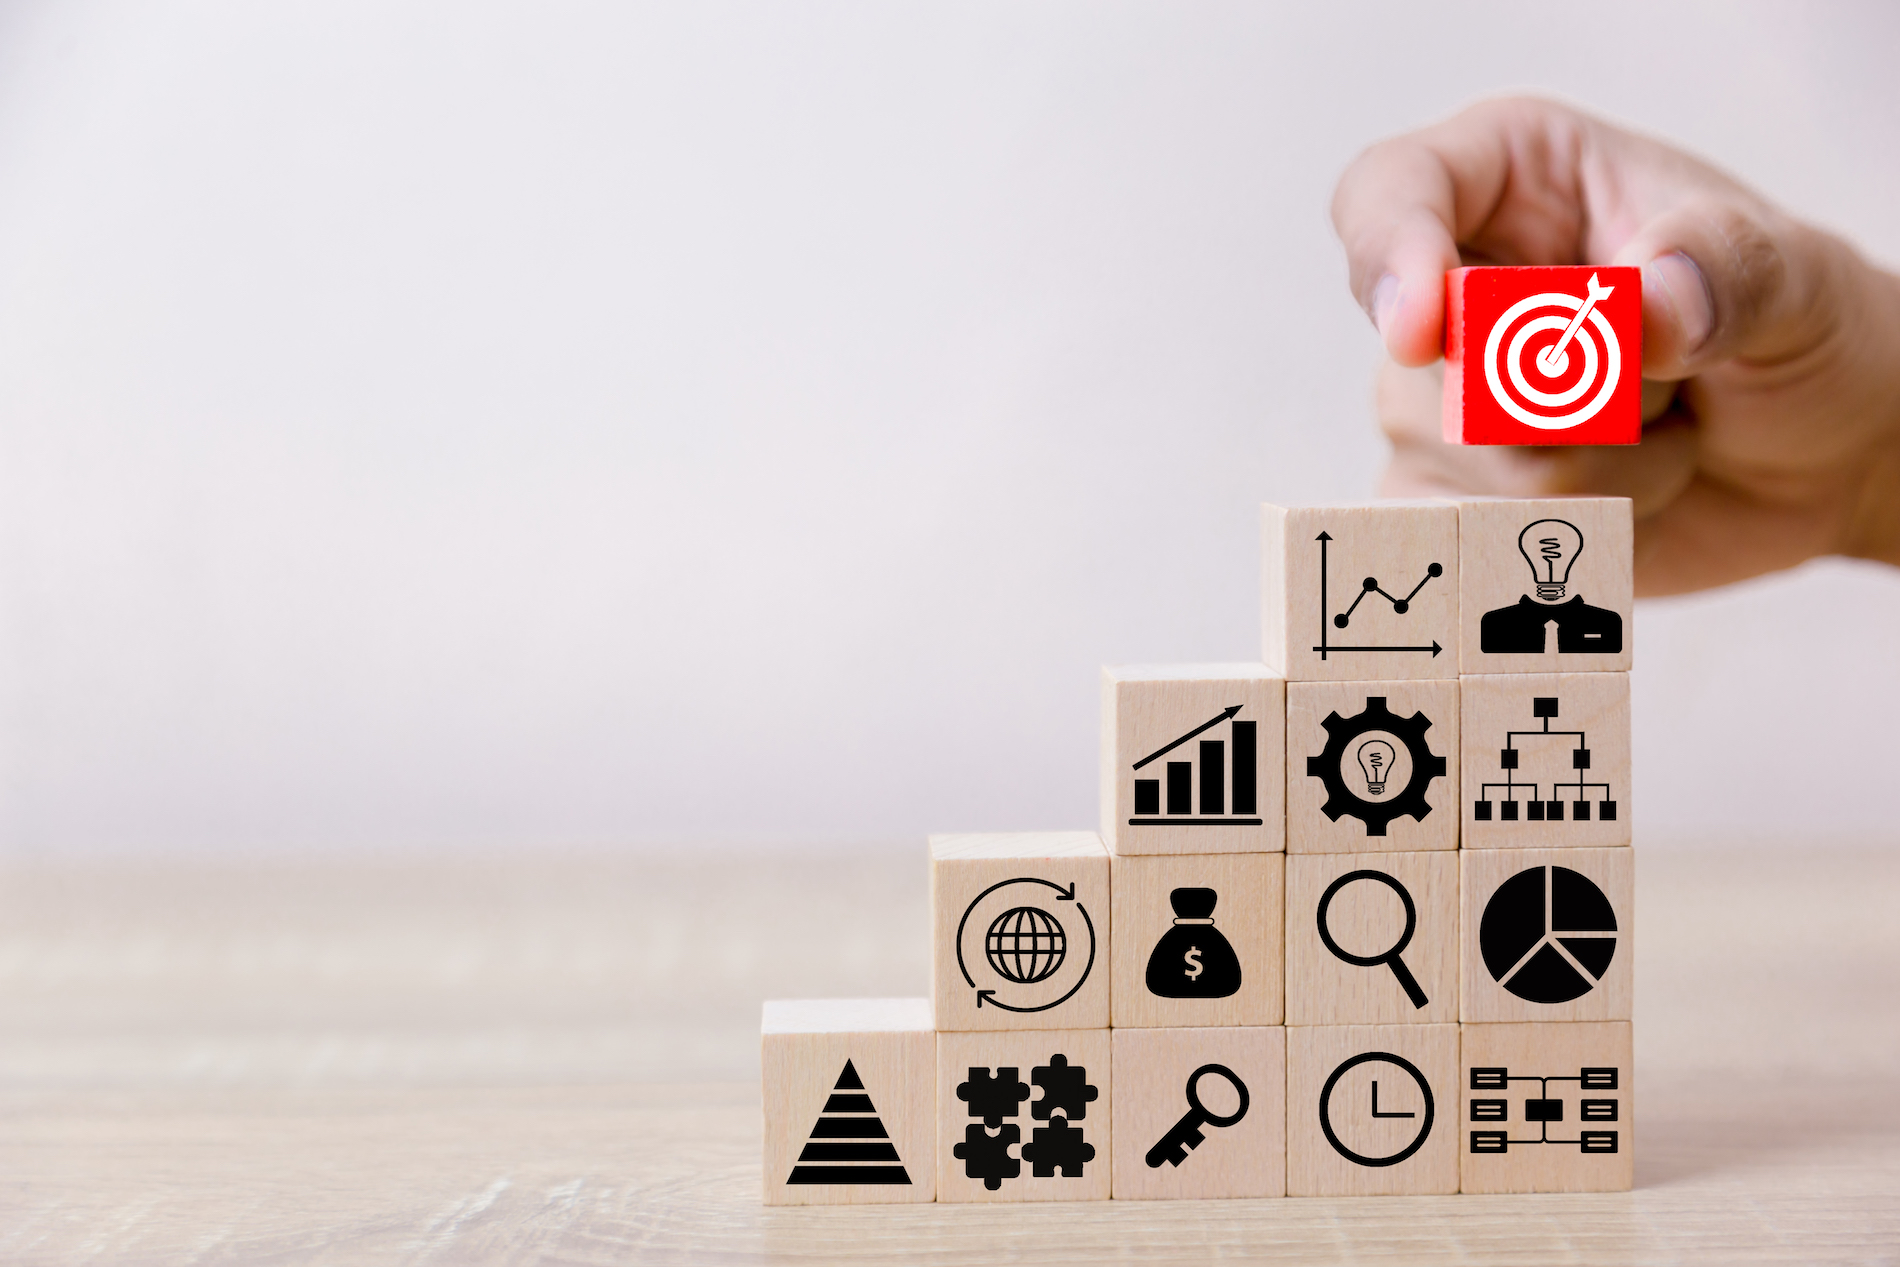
1545, 585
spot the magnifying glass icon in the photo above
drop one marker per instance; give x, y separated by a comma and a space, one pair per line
1390, 958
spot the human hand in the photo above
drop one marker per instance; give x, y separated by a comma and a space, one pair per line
1771, 350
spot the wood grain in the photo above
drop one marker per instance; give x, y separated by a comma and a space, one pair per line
1394, 543
1244, 1159
1341, 1076
1502, 708
1083, 1055
1547, 1051
1367, 918
1495, 573
1482, 871
1309, 829
1248, 914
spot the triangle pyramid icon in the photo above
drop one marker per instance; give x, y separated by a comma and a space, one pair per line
848, 1144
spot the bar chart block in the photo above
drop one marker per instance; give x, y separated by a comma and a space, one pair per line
1193, 759
1371, 766
1360, 591
1020, 931
1197, 939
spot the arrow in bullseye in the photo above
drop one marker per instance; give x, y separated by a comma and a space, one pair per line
1548, 360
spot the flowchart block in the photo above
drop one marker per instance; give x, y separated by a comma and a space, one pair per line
1360, 591
1200, 1113
1546, 760
850, 1101
1020, 931
1370, 1110
1545, 934
1197, 939
1023, 1116
1372, 939
1545, 586
1371, 765
1193, 759
1548, 1108
1543, 355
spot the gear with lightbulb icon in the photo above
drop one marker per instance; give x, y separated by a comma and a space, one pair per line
1551, 547
1377, 760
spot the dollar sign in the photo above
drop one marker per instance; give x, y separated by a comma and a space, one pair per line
1193, 957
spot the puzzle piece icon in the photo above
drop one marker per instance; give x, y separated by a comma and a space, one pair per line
1058, 1145
986, 1156
995, 1098
1065, 1089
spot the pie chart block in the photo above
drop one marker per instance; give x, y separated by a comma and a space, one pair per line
1534, 913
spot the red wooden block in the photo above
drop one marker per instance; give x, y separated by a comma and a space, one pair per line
1543, 355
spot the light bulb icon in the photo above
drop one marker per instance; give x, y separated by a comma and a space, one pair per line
1551, 547
1375, 759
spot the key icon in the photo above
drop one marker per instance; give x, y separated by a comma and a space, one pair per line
1185, 1135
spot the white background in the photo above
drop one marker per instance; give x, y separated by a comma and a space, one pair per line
463, 425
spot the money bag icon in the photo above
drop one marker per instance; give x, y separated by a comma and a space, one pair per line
1193, 960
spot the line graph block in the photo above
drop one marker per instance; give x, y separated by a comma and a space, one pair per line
1360, 590
1545, 934
1545, 760
1193, 759
1547, 1108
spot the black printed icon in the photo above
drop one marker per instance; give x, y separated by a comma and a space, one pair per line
849, 1144
1551, 547
1031, 957
1536, 808
1193, 960
1344, 1110
1544, 1109
1367, 588
1547, 935
1186, 1135
1373, 741
1056, 1148
1390, 956
1210, 772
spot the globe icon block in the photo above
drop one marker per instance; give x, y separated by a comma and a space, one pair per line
1025, 945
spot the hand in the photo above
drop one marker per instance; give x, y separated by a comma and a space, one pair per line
1771, 350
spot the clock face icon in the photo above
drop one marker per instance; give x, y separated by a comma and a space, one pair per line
1376, 1109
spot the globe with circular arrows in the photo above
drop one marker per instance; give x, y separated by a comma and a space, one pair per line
1025, 945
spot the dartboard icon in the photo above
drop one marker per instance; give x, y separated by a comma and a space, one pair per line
1552, 360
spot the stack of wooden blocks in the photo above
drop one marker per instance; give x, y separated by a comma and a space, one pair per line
1357, 921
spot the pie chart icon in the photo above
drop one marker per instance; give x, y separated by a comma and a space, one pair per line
1548, 935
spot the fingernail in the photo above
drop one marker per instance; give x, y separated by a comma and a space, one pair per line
1385, 301
1677, 281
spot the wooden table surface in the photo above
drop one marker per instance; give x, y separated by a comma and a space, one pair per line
554, 1059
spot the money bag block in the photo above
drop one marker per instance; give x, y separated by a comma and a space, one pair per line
1200, 1113
1197, 939
1371, 1110
1545, 934
1543, 355
1547, 1108
850, 1104
1359, 591
1020, 931
1192, 759
1023, 1116
1545, 586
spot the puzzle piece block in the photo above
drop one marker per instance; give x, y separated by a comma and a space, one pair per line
850, 1111
986, 1156
1547, 1108
1067, 1157
1543, 355
1545, 586
1065, 1090
1197, 939
1058, 1147
994, 1096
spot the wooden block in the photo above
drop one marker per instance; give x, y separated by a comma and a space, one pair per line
1371, 1110
1019, 930
1545, 934
1193, 758
1360, 591
1197, 939
1545, 355
1371, 765
1154, 1072
1547, 1108
1545, 586
1023, 1116
1392, 921
850, 1101
1546, 760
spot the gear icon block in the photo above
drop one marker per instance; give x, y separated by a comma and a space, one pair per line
1376, 814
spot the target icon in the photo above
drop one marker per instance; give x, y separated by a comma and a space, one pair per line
1552, 361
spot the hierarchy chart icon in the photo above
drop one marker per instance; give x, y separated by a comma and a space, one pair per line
1357, 916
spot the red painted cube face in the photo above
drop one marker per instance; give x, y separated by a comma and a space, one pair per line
1543, 355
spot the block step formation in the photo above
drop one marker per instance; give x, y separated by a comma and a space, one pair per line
1356, 919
